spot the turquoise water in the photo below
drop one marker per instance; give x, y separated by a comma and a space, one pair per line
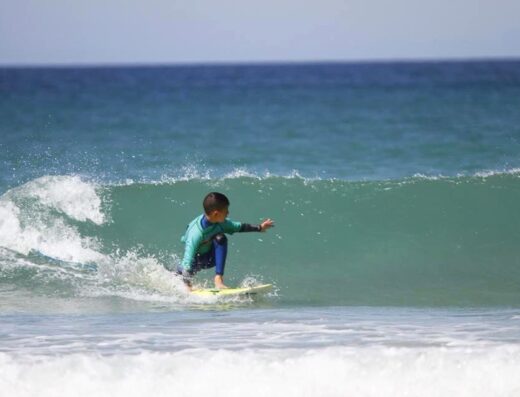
410, 242
395, 259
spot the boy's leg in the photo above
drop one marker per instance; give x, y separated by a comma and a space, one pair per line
187, 275
216, 257
220, 252
200, 262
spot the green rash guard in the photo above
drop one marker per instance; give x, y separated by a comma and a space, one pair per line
198, 240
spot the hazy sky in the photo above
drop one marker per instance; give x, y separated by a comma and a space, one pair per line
170, 31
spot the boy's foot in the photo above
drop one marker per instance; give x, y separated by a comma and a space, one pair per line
219, 282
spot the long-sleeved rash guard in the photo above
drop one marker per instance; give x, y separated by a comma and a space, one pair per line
197, 239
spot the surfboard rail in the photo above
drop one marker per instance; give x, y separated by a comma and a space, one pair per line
245, 291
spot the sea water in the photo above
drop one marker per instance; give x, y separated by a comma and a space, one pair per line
395, 259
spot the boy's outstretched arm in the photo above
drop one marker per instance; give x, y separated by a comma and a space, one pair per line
247, 227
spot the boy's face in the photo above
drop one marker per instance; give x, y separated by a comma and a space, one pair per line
218, 216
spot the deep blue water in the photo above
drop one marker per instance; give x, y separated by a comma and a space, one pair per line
349, 121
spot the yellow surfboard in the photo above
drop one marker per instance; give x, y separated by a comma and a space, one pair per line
248, 291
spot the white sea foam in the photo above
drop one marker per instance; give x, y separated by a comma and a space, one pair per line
69, 194
478, 174
27, 221
54, 238
428, 177
187, 173
506, 171
194, 173
137, 277
144, 278
334, 371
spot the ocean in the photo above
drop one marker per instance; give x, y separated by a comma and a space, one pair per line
395, 259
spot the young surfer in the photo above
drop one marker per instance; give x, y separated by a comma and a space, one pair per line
205, 240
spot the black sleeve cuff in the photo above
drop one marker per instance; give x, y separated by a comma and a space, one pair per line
246, 227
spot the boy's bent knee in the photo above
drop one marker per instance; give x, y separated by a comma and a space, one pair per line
220, 239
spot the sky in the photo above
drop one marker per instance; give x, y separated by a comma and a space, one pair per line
49, 32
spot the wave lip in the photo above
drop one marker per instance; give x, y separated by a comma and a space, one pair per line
70, 195
198, 174
36, 217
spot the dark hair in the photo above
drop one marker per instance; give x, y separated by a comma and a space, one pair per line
215, 201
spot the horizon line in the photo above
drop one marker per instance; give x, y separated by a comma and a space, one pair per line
86, 65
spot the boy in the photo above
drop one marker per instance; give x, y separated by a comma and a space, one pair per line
206, 242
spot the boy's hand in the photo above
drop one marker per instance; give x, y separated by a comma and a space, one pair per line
266, 224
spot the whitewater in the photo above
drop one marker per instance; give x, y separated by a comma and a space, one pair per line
310, 352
